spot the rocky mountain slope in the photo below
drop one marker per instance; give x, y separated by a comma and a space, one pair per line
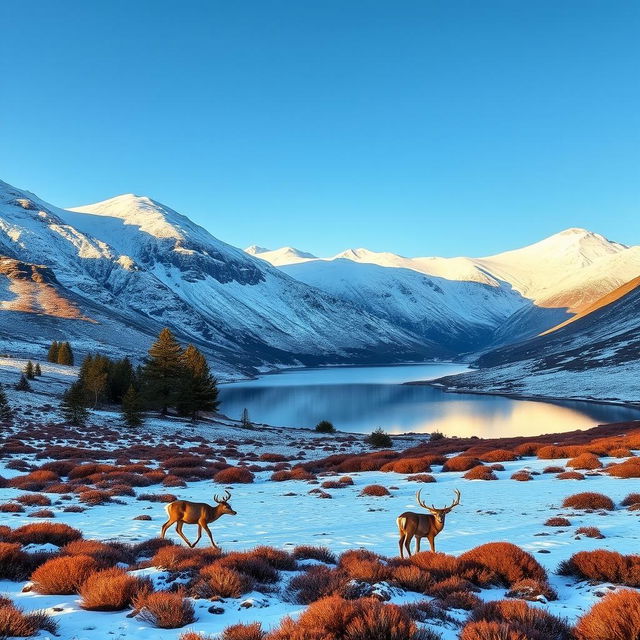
594, 355
130, 265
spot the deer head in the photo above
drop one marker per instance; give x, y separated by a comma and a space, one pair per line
223, 505
439, 514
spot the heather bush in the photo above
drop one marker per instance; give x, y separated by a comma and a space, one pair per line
15, 623
111, 590
585, 461
62, 575
316, 582
411, 578
480, 472
466, 600
173, 557
602, 565
251, 631
510, 563
11, 507
277, 558
615, 617
570, 475
522, 476
364, 566
531, 590
375, 490
590, 532
557, 521
588, 500
631, 498
309, 552
45, 532
250, 564
106, 554
498, 455
460, 463
164, 609
408, 465
234, 475
421, 477
628, 469
16, 564
34, 500
215, 580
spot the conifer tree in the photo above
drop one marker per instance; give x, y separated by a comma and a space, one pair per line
65, 354
29, 371
132, 408
198, 388
52, 355
6, 413
245, 420
121, 377
162, 372
23, 384
37, 370
73, 407
93, 377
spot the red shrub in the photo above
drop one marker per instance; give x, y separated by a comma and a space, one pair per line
508, 561
364, 565
34, 499
557, 522
460, 600
111, 590
620, 452
603, 566
249, 564
590, 532
316, 582
63, 575
15, 623
439, 565
309, 552
11, 507
45, 532
408, 465
631, 498
570, 475
42, 513
178, 558
421, 477
16, 564
460, 463
516, 621
104, 553
411, 578
173, 481
234, 475
157, 497
531, 590
553, 469
273, 457
528, 448
339, 619
224, 582
522, 476
481, 472
251, 631
375, 490
615, 617
628, 469
277, 558
585, 461
164, 609
95, 497
346, 480
588, 500
297, 473
498, 455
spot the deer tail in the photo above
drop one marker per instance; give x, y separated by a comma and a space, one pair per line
402, 523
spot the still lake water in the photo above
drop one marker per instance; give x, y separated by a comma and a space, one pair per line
359, 399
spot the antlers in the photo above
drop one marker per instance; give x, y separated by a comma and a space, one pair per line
455, 503
224, 498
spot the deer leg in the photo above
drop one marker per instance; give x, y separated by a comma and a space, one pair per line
179, 530
432, 543
165, 526
418, 539
407, 543
199, 536
400, 543
208, 532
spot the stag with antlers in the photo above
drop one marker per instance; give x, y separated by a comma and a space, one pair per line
183, 512
422, 525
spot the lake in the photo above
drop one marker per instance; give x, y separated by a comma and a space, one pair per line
360, 399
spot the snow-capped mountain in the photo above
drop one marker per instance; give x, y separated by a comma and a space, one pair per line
279, 257
475, 302
594, 355
130, 264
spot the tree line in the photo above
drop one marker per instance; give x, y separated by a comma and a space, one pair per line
171, 378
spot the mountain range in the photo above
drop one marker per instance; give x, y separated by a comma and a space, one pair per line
109, 275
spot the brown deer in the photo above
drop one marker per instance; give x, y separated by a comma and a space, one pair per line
422, 525
183, 512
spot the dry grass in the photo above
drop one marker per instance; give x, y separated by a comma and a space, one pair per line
251, 631
173, 557
589, 500
216, 580
615, 617
15, 623
316, 582
310, 552
251, 565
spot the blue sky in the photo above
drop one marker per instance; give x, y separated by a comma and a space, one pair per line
421, 127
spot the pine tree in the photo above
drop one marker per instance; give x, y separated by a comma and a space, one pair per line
93, 377
37, 370
162, 372
245, 420
73, 407
29, 371
132, 408
198, 388
121, 377
65, 354
6, 413
52, 356
23, 384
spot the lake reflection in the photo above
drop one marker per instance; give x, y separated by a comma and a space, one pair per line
360, 399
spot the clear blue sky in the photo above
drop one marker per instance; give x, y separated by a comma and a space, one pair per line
426, 127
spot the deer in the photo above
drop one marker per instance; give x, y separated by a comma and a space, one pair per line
422, 525
183, 512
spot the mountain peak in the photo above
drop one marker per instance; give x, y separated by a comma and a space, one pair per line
255, 249
280, 257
